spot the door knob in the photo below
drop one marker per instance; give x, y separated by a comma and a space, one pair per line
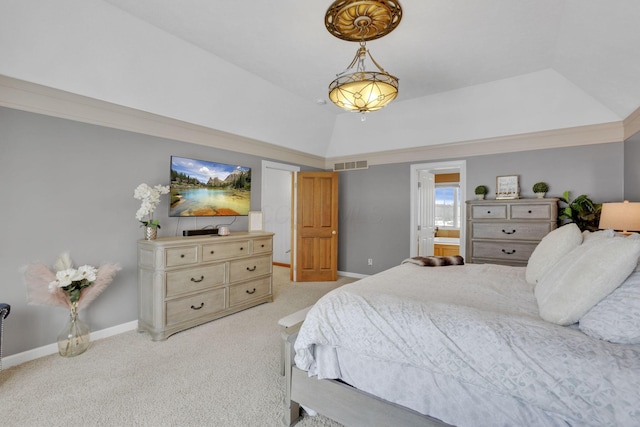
333, 232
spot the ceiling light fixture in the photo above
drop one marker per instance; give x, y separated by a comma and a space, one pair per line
356, 89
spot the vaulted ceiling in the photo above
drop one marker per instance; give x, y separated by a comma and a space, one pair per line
468, 70
439, 46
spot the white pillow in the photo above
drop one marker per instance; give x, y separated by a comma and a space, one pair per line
617, 317
551, 248
584, 277
600, 234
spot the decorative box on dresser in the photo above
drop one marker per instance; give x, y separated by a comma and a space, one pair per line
507, 231
186, 281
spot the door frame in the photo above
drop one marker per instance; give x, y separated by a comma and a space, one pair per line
437, 167
266, 164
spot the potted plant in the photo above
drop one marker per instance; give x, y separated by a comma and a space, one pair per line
540, 188
481, 191
581, 210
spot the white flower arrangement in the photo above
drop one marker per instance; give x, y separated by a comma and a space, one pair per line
150, 197
68, 287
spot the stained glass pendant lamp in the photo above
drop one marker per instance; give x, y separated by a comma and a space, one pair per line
358, 88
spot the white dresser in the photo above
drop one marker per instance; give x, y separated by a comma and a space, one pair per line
507, 231
187, 281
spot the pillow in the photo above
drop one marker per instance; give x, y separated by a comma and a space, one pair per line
617, 317
584, 277
600, 234
551, 248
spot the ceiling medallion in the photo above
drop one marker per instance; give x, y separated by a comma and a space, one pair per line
362, 20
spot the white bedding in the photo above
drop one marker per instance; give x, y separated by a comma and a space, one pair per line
465, 344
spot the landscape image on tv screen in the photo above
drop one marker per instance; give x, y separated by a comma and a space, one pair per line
203, 188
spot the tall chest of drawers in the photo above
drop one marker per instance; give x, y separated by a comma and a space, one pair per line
507, 231
187, 281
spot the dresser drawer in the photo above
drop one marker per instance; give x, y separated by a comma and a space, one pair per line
510, 230
194, 279
181, 256
261, 246
245, 269
513, 251
249, 290
195, 306
489, 211
532, 211
225, 250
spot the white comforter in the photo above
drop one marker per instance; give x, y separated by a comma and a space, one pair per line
477, 326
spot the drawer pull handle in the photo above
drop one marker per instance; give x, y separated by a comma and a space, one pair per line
252, 269
197, 280
251, 292
488, 212
508, 232
197, 308
242, 249
212, 252
181, 255
529, 211
509, 252
262, 246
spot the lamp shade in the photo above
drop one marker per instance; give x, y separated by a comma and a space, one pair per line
363, 91
623, 216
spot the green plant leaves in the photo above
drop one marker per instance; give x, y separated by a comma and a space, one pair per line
582, 211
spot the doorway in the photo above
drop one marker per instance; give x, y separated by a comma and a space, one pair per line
276, 207
423, 205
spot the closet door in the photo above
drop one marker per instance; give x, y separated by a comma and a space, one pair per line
316, 227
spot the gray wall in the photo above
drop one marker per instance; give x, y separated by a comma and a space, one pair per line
69, 186
374, 203
595, 170
632, 169
374, 218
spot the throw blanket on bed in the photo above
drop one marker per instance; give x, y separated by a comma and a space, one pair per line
434, 261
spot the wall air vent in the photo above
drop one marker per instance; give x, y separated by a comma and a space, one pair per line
345, 166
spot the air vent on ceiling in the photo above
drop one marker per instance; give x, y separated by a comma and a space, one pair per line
360, 164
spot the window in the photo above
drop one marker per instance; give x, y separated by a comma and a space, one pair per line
447, 205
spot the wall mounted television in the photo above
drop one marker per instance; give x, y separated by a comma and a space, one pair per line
201, 188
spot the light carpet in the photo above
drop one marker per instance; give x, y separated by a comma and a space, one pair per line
222, 373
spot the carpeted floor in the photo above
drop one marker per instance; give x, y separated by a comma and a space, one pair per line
222, 373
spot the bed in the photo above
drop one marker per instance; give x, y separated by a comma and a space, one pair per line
479, 344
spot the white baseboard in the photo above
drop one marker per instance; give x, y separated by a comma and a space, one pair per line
355, 275
26, 356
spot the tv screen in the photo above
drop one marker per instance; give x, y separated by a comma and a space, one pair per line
202, 188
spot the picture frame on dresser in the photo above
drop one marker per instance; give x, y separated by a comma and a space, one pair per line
256, 221
507, 187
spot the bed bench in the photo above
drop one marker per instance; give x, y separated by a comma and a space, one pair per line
287, 322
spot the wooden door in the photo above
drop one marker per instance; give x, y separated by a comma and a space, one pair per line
316, 227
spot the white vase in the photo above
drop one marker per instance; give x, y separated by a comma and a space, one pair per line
480, 196
540, 195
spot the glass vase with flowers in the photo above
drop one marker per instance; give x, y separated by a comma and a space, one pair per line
73, 288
